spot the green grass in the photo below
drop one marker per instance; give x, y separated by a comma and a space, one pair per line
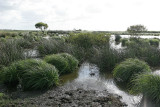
149, 85
29, 74
64, 62
40, 78
117, 38
154, 42
124, 40
142, 50
106, 58
58, 61
87, 40
72, 62
126, 70
10, 51
51, 46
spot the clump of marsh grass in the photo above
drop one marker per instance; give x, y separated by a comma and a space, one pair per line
126, 70
106, 58
72, 62
124, 41
64, 62
31, 74
117, 38
142, 50
40, 77
88, 40
10, 51
51, 46
148, 84
154, 42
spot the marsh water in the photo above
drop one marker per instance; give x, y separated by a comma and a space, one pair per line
83, 78
88, 77
118, 46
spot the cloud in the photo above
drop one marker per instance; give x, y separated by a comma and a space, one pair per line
84, 14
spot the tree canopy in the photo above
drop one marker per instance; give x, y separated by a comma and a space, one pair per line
42, 26
136, 29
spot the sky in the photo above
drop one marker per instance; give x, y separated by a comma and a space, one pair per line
100, 15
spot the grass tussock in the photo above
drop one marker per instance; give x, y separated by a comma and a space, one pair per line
126, 70
149, 85
142, 50
10, 51
64, 62
30, 74
106, 58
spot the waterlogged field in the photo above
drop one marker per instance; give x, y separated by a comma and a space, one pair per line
104, 69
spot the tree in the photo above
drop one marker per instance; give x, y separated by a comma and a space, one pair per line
136, 29
42, 26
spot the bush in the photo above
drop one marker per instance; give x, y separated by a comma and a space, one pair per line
126, 70
124, 41
30, 74
51, 46
117, 38
58, 61
144, 51
106, 58
149, 85
41, 77
65, 63
72, 62
154, 42
87, 40
10, 51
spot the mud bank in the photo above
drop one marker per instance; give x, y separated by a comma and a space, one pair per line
60, 97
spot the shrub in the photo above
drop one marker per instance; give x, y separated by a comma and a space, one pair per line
106, 58
30, 73
51, 46
117, 38
64, 62
154, 42
126, 70
124, 41
24, 43
10, 51
72, 62
58, 61
87, 40
144, 51
149, 85
40, 77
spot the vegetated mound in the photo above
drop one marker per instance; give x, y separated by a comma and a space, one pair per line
64, 62
126, 70
31, 74
149, 85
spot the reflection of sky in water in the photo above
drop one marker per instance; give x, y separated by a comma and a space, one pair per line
101, 82
104, 81
119, 47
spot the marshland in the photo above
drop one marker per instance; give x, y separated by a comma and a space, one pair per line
79, 53
79, 68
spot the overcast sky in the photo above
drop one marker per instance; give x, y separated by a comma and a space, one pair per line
110, 15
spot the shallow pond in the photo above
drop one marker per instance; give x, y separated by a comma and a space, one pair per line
118, 46
84, 78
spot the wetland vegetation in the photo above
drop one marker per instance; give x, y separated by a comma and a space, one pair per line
59, 56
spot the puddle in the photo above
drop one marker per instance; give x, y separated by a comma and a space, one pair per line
98, 81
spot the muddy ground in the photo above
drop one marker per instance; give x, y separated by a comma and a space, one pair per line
62, 97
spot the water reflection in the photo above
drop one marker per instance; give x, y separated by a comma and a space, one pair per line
118, 47
100, 81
